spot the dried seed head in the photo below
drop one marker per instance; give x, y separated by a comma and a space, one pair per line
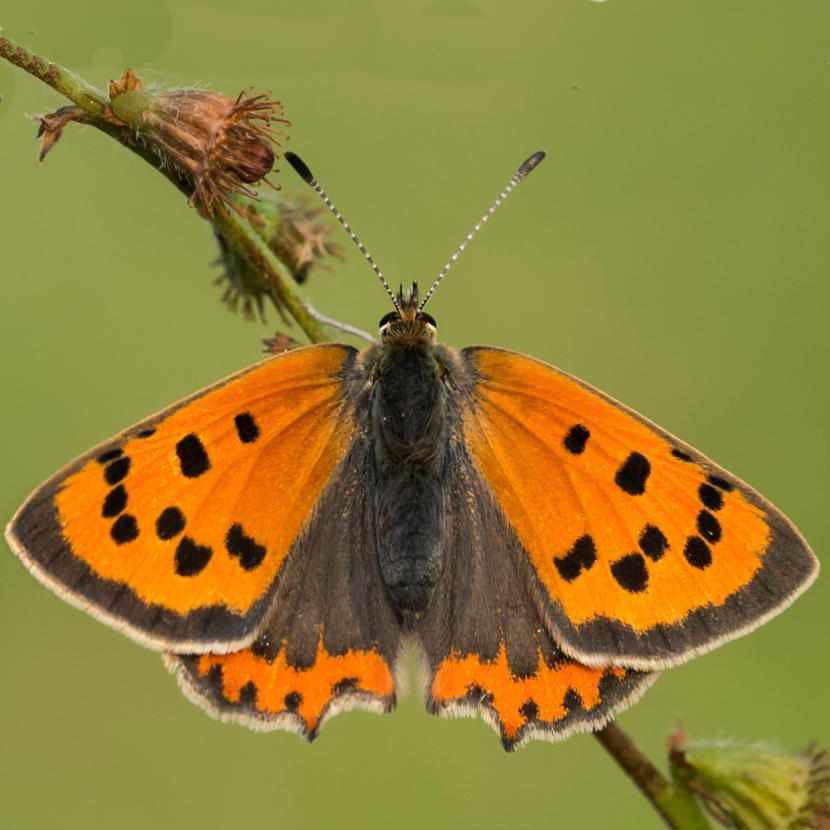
753, 785
222, 145
295, 231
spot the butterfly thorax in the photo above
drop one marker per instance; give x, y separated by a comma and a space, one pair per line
409, 450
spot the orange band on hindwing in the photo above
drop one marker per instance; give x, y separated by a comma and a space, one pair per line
268, 692
550, 700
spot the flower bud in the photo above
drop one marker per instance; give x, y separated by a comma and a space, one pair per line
755, 786
294, 231
222, 145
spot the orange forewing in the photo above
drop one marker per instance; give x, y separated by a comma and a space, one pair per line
262, 475
274, 694
553, 497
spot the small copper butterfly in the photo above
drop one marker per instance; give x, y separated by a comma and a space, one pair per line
278, 534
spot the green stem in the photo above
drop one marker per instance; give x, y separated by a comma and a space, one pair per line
237, 231
62, 80
676, 805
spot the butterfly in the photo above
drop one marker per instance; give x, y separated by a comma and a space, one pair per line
279, 535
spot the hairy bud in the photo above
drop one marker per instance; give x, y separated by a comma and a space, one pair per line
294, 231
752, 786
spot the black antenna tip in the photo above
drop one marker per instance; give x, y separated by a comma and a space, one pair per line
300, 167
527, 168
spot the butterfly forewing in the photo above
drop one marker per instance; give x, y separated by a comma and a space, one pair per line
643, 551
177, 529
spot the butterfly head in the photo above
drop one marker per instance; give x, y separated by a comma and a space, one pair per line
408, 325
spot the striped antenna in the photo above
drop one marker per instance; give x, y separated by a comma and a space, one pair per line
306, 175
522, 173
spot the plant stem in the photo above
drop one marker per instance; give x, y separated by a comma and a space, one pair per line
62, 80
677, 806
237, 231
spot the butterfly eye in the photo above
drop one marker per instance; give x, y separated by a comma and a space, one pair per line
387, 318
428, 318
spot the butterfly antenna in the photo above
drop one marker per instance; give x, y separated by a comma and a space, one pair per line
522, 173
307, 176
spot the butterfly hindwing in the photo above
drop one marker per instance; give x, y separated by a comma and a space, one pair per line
175, 531
642, 551
487, 648
331, 639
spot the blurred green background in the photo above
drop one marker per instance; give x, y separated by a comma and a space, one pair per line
672, 250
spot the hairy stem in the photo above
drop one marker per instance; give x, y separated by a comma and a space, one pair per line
677, 806
237, 231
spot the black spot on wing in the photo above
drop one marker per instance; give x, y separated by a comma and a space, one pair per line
697, 552
476, 694
246, 427
248, 551
146, 433
117, 470
214, 676
710, 497
248, 694
631, 572
191, 558
576, 439
580, 557
572, 700
632, 476
110, 455
193, 457
683, 456
653, 542
115, 502
292, 701
529, 710
265, 647
124, 529
344, 686
170, 523
728, 486
708, 526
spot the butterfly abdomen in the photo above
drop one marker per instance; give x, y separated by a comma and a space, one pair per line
409, 429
